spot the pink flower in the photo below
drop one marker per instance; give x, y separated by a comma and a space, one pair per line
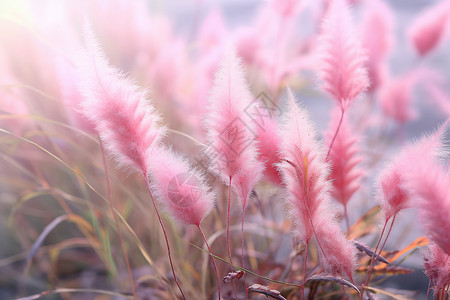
342, 59
180, 188
344, 158
120, 111
428, 29
305, 175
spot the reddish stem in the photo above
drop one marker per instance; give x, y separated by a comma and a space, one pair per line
372, 260
337, 130
228, 235
242, 251
347, 222
165, 234
379, 252
212, 259
116, 222
304, 270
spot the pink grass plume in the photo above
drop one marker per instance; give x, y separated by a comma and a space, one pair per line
269, 146
429, 185
126, 123
120, 111
345, 160
182, 191
179, 188
377, 40
305, 174
429, 28
231, 146
231, 132
342, 58
437, 268
396, 98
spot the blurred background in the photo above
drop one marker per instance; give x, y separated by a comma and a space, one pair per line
172, 49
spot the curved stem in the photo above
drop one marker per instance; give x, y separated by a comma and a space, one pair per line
212, 259
165, 235
379, 252
228, 235
242, 251
336, 133
116, 222
372, 259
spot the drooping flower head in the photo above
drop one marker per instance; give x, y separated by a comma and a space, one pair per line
120, 111
305, 174
180, 188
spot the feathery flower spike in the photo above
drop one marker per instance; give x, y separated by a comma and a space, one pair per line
231, 131
305, 174
344, 158
342, 58
126, 123
437, 267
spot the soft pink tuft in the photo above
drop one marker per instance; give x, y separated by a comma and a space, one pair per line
231, 132
392, 193
437, 267
119, 110
245, 182
396, 97
305, 175
345, 158
377, 39
342, 59
428, 29
180, 189
269, 147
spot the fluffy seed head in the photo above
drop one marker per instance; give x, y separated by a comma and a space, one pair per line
342, 59
119, 110
180, 189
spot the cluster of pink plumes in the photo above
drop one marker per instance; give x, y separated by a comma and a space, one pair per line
204, 89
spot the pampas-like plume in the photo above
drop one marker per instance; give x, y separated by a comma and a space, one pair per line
344, 158
377, 39
429, 185
305, 175
125, 121
342, 58
231, 132
180, 189
428, 29
120, 111
396, 97
269, 146
392, 193
437, 267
